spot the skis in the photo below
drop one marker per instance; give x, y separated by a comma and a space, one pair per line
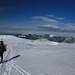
10, 58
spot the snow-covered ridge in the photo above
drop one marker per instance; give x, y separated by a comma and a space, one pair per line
48, 37
7, 36
38, 57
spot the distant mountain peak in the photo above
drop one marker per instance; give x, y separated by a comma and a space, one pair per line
27, 33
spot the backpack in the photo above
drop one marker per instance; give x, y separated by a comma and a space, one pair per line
4, 47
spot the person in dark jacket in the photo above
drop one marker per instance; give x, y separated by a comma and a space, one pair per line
2, 49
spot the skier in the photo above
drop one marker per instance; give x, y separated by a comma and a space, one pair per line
2, 49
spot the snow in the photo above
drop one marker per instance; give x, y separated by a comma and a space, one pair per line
52, 35
39, 57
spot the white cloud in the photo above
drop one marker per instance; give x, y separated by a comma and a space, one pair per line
46, 19
12, 28
58, 18
37, 22
53, 25
50, 26
70, 26
55, 28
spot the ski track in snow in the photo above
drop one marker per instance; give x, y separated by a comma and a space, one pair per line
5, 68
20, 70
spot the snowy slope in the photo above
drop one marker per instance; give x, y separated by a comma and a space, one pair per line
39, 57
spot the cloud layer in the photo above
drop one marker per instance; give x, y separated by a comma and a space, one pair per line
53, 23
42, 23
58, 18
45, 19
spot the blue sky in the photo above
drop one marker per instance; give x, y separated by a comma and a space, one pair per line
17, 16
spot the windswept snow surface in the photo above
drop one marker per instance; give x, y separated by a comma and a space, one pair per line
39, 57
